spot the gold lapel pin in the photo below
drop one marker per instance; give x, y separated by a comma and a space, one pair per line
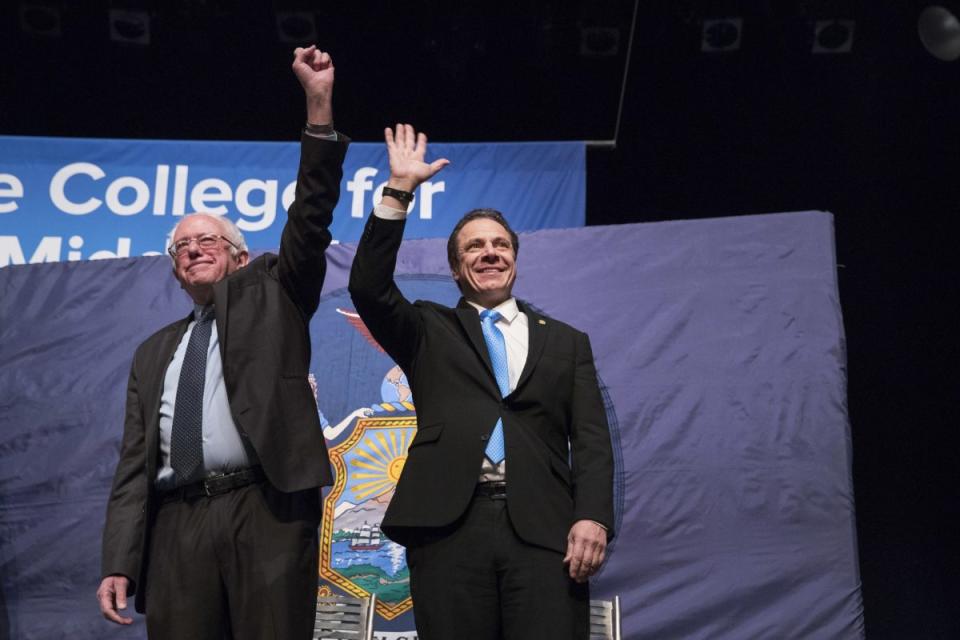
541, 322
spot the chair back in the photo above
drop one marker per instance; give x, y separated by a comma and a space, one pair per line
344, 618
605, 619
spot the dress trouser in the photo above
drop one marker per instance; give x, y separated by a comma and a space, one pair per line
241, 565
477, 580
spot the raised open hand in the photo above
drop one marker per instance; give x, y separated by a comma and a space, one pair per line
407, 150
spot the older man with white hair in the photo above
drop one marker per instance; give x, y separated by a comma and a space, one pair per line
212, 519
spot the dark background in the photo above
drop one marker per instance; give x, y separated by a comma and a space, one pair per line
872, 135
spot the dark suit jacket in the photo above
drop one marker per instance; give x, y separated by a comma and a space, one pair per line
262, 315
557, 401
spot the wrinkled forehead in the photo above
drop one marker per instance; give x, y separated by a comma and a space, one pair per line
196, 226
482, 229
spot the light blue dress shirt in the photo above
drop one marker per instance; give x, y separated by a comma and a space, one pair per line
223, 449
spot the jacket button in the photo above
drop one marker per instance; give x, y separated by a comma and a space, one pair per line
485, 437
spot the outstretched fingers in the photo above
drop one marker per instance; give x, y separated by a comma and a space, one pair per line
438, 164
406, 150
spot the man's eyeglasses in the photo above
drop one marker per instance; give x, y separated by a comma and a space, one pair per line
205, 241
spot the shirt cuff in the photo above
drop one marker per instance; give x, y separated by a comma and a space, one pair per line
323, 136
389, 213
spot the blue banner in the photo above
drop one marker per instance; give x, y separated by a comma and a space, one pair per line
66, 199
720, 351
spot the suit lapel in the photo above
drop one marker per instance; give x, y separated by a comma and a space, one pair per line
470, 320
220, 301
153, 388
538, 326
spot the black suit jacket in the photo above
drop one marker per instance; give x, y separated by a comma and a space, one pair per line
262, 313
559, 458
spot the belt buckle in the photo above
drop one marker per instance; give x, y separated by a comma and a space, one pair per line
493, 490
211, 486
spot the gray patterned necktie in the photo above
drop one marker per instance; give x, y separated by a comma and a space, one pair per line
186, 440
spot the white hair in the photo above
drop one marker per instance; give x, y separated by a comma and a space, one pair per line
229, 229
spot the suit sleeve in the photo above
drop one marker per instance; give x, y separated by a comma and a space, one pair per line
391, 318
592, 469
126, 509
302, 265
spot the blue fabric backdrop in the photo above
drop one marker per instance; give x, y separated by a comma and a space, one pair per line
719, 345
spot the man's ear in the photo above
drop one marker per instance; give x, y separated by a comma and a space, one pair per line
243, 258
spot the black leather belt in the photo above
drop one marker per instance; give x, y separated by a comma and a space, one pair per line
215, 485
492, 490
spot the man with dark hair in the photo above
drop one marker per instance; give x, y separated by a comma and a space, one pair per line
453, 250
505, 503
212, 519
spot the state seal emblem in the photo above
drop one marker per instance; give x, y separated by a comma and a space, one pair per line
367, 461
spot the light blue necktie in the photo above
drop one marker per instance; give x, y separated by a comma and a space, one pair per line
497, 348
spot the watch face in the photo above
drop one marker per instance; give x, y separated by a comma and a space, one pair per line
405, 196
